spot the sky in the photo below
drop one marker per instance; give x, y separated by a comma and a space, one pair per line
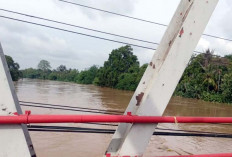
28, 44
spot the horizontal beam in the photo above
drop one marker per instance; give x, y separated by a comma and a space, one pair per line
200, 155
27, 119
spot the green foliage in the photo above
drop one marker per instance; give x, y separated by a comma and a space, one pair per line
44, 65
141, 72
192, 77
207, 78
87, 76
120, 61
52, 76
13, 67
130, 80
127, 81
96, 81
61, 68
120, 71
31, 73
227, 87
229, 57
61, 74
213, 97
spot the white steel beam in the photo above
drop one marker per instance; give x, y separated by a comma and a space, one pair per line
162, 75
14, 139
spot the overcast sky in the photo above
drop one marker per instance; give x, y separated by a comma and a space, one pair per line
28, 44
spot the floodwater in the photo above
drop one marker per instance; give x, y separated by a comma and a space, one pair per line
57, 144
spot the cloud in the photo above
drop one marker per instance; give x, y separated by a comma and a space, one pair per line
224, 23
28, 44
119, 6
203, 43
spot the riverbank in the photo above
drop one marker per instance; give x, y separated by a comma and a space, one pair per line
207, 77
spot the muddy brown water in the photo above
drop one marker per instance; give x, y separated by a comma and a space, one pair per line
54, 144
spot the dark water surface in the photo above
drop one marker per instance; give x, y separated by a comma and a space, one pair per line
53, 144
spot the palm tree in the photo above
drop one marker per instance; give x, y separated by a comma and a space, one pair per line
210, 82
208, 55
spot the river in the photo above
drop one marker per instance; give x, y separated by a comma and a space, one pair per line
56, 144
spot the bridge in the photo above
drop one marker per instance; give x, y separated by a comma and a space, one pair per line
147, 105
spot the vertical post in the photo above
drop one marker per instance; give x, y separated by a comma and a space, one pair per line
14, 139
162, 75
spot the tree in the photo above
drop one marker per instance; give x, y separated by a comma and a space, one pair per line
31, 73
131, 79
227, 88
202, 78
120, 61
190, 84
229, 57
61, 68
208, 55
44, 65
13, 67
87, 76
141, 72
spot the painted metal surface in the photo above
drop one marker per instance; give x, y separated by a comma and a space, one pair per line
14, 139
200, 155
28, 119
162, 75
